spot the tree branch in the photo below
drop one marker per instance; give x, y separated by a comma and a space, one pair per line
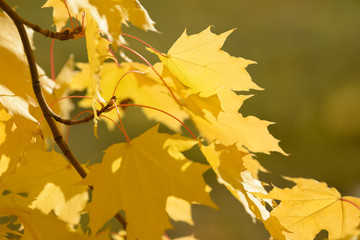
66, 34
106, 108
48, 114
38, 91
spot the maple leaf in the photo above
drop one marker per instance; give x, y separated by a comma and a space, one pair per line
60, 14
98, 51
37, 226
120, 12
227, 163
14, 71
248, 133
310, 206
199, 64
17, 134
139, 176
209, 76
48, 178
179, 210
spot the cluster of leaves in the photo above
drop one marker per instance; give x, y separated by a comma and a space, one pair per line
147, 178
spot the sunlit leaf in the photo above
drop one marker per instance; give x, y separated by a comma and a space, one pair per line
310, 206
135, 178
199, 64
36, 224
48, 178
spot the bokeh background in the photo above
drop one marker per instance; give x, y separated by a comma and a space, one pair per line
308, 55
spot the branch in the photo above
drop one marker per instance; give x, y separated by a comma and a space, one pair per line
66, 34
105, 108
37, 89
40, 97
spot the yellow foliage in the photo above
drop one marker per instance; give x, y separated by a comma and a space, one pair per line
37, 226
149, 178
310, 206
135, 178
199, 64
50, 182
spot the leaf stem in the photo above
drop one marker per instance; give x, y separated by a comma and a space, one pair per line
157, 109
121, 122
149, 64
133, 37
352, 203
83, 120
131, 71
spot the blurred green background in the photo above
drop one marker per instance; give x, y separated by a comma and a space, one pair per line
308, 62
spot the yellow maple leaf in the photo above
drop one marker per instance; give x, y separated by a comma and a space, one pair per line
14, 71
179, 210
120, 12
37, 226
199, 64
97, 51
310, 206
48, 178
60, 14
227, 163
17, 134
138, 177
248, 133
217, 119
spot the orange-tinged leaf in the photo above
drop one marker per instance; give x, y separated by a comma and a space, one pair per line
199, 64
310, 206
139, 177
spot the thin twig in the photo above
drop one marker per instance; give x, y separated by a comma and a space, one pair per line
48, 114
66, 34
105, 108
